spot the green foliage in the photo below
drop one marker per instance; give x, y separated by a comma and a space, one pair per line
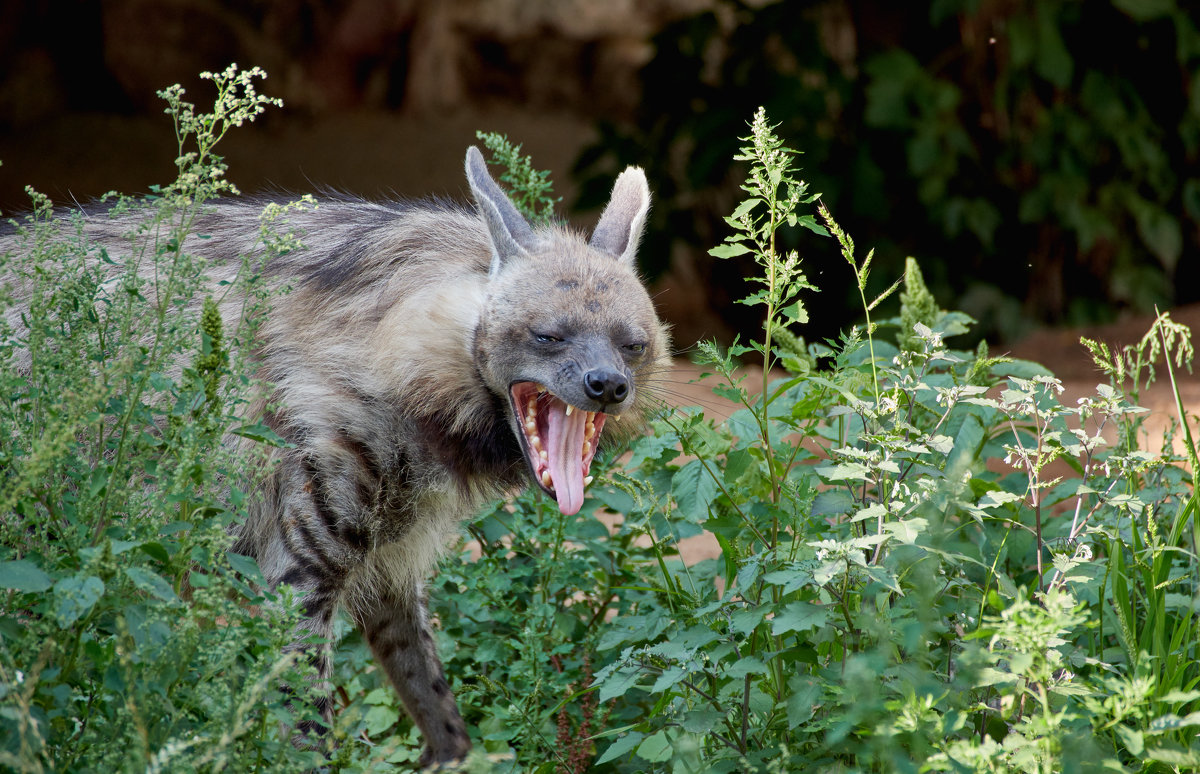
891, 595
1073, 125
530, 188
130, 638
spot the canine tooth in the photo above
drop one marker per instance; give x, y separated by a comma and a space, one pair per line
570, 409
546, 480
616, 417
540, 389
587, 480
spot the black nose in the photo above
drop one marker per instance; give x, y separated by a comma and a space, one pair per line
605, 386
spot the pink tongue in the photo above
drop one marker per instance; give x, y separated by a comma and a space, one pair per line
564, 447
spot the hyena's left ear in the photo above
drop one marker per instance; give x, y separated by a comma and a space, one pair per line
510, 233
620, 226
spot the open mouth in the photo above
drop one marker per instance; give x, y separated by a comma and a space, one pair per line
559, 440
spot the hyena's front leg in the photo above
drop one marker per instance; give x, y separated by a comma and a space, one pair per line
396, 624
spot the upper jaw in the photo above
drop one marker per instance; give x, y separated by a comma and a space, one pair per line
559, 441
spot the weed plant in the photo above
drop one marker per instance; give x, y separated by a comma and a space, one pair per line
130, 638
928, 562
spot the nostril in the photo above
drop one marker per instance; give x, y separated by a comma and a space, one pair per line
605, 386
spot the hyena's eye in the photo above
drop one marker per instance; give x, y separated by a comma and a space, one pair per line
635, 349
546, 338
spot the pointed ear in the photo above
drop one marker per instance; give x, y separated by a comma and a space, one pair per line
621, 225
510, 233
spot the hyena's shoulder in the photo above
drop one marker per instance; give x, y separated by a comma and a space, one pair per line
390, 292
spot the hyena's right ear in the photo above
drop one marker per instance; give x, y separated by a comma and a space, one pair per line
620, 227
510, 233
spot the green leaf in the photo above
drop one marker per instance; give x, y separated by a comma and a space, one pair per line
906, 530
694, 490
798, 616
884, 577
745, 208
622, 746
803, 700
788, 580
729, 250
655, 748
668, 679
260, 433
155, 550
701, 721
872, 511
24, 575
1052, 60
658, 447
750, 665
74, 598
1172, 722
152, 583
1160, 231
746, 620
1133, 740
245, 565
618, 683
832, 502
380, 718
810, 223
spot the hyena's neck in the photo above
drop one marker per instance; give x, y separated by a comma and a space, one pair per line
486, 457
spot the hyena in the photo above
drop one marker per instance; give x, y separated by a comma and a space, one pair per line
429, 357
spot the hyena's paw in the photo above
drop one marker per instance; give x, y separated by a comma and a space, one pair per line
444, 760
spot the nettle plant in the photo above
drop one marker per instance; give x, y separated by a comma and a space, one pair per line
130, 639
928, 562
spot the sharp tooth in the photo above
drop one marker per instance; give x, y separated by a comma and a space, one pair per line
616, 417
587, 480
540, 389
570, 409
546, 480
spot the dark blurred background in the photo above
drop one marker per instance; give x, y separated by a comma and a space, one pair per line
1038, 156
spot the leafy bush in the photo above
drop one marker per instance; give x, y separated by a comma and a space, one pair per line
130, 638
890, 596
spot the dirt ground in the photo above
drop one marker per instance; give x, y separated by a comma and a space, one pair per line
1057, 349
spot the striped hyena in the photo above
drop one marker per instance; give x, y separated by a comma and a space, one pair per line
428, 358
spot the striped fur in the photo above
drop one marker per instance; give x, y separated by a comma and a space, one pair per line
415, 341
